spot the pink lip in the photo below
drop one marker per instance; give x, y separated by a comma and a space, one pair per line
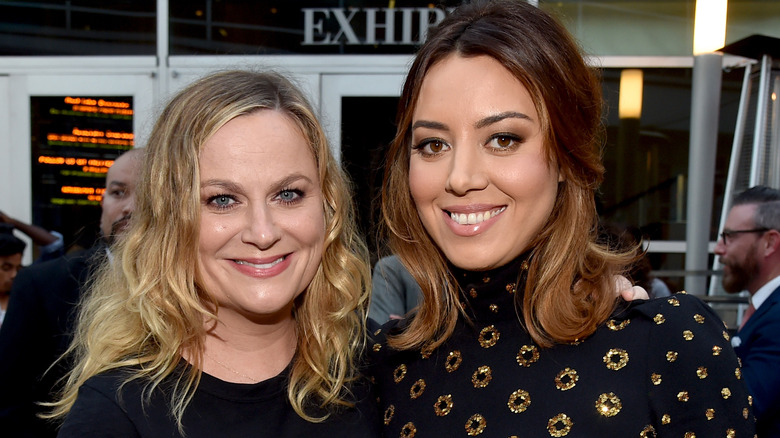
469, 230
245, 266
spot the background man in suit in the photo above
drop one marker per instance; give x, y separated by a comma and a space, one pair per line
749, 250
39, 322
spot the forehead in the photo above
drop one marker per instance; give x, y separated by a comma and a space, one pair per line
741, 216
13, 259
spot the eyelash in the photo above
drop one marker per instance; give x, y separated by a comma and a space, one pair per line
211, 201
516, 142
298, 196
423, 146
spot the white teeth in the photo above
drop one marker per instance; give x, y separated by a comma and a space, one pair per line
262, 265
475, 218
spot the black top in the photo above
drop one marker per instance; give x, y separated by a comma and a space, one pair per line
218, 409
655, 368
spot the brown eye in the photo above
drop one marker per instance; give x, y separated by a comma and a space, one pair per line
504, 141
436, 146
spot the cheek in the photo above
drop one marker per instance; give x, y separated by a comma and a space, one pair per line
423, 182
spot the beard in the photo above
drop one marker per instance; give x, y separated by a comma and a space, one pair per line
118, 227
738, 273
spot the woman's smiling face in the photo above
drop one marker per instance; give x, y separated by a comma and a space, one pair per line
481, 181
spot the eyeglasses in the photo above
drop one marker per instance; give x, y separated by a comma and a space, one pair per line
728, 234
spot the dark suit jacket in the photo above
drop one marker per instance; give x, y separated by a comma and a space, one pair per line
759, 349
37, 330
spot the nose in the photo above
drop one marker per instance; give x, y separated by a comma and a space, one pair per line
261, 228
467, 171
720, 247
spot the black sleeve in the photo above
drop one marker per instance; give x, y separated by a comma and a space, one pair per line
96, 414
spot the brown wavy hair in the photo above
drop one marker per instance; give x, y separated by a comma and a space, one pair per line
148, 306
569, 289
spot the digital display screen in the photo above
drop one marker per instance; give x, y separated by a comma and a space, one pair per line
75, 139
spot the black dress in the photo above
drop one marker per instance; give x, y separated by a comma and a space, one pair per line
660, 368
218, 409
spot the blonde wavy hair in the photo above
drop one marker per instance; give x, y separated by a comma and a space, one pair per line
570, 288
147, 307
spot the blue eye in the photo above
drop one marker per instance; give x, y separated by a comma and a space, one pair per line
289, 196
221, 201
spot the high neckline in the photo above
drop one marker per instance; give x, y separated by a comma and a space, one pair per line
492, 294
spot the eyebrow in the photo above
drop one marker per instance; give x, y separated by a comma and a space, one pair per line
233, 187
487, 121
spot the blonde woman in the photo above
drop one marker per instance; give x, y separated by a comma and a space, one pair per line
235, 304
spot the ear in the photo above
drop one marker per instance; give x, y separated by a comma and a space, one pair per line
772, 245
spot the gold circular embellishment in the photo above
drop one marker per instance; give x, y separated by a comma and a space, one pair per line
389, 412
475, 425
524, 265
486, 279
493, 308
726, 335
488, 336
566, 379
511, 288
683, 396
443, 405
615, 326
655, 378
709, 413
417, 389
648, 432
453, 361
731, 433
671, 356
701, 372
616, 359
659, 319
750, 400
674, 302
408, 431
527, 355
377, 332
399, 373
481, 376
738, 373
608, 405
698, 318
689, 435
519, 401
716, 350
559, 425
666, 419
376, 347
688, 335
473, 292
426, 352
745, 413
725, 393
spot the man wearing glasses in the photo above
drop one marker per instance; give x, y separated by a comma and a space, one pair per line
749, 250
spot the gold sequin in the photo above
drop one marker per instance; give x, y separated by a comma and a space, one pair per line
725, 393
709, 413
511, 288
716, 350
671, 356
666, 419
655, 378
738, 373
524, 265
689, 435
453, 361
473, 292
647, 432
698, 318
750, 400
745, 413
674, 302
443, 405
616, 359
376, 347
389, 412
519, 401
608, 405
481, 377
377, 332
701, 372
566, 379
488, 336
559, 425
399, 373
408, 431
426, 352
726, 335
683, 396
486, 279
417, 389
493, 308
731, 433
659, 319
615, 326
475, 425
687, 335
527, 355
